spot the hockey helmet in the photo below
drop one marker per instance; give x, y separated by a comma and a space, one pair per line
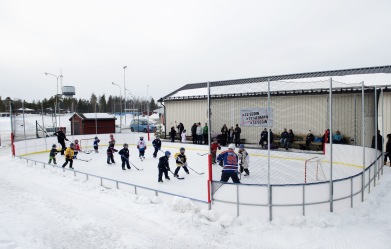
126, 145
54, 146
231, 147
76, 141
167, 153
96, 137
182, 149
71, 145
241, 146
111, 135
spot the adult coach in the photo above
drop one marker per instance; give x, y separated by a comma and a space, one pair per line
61, 139
229, 160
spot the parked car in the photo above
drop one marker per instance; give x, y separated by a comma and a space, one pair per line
141, 125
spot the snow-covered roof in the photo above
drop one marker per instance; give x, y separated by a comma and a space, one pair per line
95, 115
342, 79
26, 110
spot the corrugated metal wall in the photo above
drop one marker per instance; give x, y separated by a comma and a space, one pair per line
187, 112
299, 113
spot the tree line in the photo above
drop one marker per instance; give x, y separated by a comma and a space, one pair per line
101, 104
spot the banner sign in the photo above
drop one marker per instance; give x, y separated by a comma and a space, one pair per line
256, 117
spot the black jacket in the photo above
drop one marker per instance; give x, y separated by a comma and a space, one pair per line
157, 143
53, 152
163, 163
124, 152
194, 130
379, 142
60, 136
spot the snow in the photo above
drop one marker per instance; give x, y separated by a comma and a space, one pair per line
290, 85
46, 208
98, 115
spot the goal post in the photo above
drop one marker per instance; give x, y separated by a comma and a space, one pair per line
87, 145
313, 170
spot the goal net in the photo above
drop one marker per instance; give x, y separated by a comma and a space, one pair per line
313, 170
87, 145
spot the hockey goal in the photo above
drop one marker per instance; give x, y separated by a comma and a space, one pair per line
313, 170
87, 145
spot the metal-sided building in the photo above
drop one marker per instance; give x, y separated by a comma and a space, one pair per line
298, 101
92, 123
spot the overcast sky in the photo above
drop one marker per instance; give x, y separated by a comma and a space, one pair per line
167, 44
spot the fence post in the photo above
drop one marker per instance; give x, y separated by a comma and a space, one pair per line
303, 200
86, 177
116, 183
135, 190
351, 192
101, 181
270, 203
237, 200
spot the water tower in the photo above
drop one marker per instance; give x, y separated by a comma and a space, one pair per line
68, 91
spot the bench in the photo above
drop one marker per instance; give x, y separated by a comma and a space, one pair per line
299, 142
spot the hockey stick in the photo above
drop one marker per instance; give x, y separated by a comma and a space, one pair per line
84, 160
131, 163
202, 154
179, 178
194, 170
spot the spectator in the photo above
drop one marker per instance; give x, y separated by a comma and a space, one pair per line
379, 142
237, 135
194, 133
337, 137
289, 140
388, 150
173, 134
183, 135
205, 132
263, 137
224, 133
309, 139
180, 130
231, 135
284, 138
199, 133
326, 137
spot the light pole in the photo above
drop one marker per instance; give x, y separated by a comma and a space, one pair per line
55, 107
125, 95
120, 105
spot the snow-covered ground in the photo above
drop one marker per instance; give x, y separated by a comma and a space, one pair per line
45, 208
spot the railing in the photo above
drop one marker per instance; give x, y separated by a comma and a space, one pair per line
117, 183
260, 199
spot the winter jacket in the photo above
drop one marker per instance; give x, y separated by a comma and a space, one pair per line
290, 137
199, 130
124, 152
157, 143
194, 130
141, 145
69, 153
214, 147
53, 152
284, 134
388, 146
205, 130
110, 151
244, 159
229, 159
60, 136
164, 163
180, 159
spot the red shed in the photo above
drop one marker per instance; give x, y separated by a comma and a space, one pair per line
92, 123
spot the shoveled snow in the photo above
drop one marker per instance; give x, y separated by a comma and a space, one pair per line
45, 208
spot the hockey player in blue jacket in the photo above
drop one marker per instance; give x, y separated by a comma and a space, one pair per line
229, 160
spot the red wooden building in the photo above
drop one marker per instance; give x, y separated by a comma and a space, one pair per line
92, 123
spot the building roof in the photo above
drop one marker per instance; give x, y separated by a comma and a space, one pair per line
87, 116
289, 83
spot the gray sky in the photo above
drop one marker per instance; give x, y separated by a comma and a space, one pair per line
167, 44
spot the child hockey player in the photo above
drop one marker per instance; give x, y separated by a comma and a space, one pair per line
53, 153
141, 146
76, 149
69, 152
183, 135
164, 166
124, 152
112, 141
110, 154
157, 144
96, 144
229, 160
244, 160
213, 148
180, 159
